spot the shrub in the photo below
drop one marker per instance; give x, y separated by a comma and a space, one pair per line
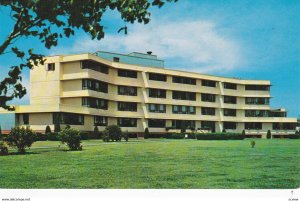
114, 132
252, 143
71, 137
126, 136
52, 136
244, 133
56, 128
220, 136
294, 136
68, 126
174, 135
105, 136
146, 134
40, 137
191, 135
20, 138
269, 135
3, 149
223, 131
47, 130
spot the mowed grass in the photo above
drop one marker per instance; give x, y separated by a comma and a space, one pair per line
187, 164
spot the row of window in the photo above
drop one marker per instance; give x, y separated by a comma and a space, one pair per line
93, 65
161, 93
78, 119
177, 109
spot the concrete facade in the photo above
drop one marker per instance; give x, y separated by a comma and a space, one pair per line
62, 91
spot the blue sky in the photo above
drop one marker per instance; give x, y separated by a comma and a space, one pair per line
246, 39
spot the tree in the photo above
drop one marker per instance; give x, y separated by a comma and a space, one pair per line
47, 130
48, 22
269, 134
71, 137
113, 132
21, 138
146, 134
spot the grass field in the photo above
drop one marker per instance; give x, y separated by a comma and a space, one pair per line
159, 163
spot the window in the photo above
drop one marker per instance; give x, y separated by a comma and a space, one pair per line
51, 66
230, 112
93, 65
157, 77
208, 97
127, 73
182, 95
100, 121
157, 108
208, 125
94, 85
230, 99
116, 59
208, 111
97, 103
127, 90
127, 122
26, 118
228, 85
68, 118
184, 80
157, 93
256, 113
209, 83
178, 124
284, 126
156, 123
127, 106
182, 109
257, 87
253, 125
257, 101
229, 125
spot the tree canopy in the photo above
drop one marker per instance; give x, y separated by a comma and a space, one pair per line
51, 20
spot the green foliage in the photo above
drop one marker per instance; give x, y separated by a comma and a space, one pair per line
269, 135
40, 137
220, 136
52, 20
47, 130
21, 138
146, 133
113, 133
244, 133
223, 131
3, 149
71, 137
252, 143
67, 126
52, 137
294, 136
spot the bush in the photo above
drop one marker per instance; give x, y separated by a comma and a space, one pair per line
113, 132
269, 135
71, 137
67, 126
146, 134
294, 136
47, 130
105, 136
40, 137
223, 131
252, 143
125, 136
174, 135
20, 138
244, 133
52, 136
220, 136
3, 149
191, 135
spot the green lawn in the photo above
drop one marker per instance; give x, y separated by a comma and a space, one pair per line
156, 164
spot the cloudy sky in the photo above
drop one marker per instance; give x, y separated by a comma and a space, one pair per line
246, 39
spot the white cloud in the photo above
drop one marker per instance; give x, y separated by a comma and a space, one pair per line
189, 45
